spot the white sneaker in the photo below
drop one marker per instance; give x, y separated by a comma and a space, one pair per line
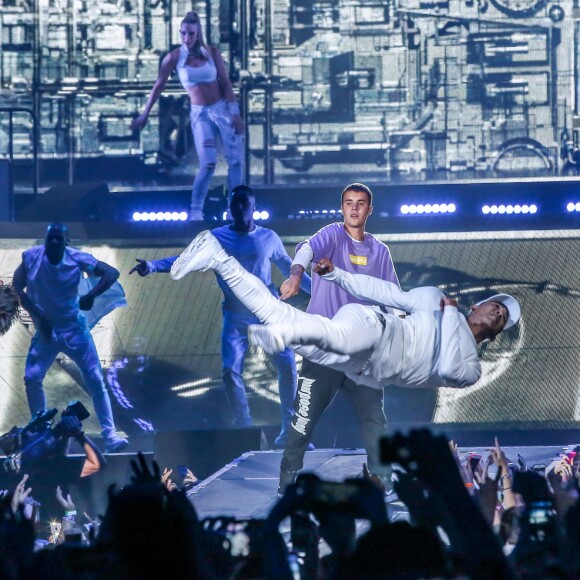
198, 256
269, 338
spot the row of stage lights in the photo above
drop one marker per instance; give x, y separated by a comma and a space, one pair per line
488, 209
159, 216
316, 214
257, 215
448, 208
428, 208
406, 209
181, 216
509, 209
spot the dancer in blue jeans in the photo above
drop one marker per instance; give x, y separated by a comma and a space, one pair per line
51, 275
255, 248
215, 114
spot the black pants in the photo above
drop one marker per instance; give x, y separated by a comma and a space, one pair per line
317, 387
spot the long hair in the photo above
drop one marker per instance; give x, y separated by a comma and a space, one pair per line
8, 308
193, 18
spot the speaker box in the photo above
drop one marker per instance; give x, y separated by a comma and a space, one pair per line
205, 452
6, 193
83, 202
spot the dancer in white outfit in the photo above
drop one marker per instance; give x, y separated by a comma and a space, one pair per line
215, 114
434, 346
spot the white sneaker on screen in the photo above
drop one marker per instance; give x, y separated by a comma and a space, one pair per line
198, 256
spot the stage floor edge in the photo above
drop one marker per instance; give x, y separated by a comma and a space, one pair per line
247, 487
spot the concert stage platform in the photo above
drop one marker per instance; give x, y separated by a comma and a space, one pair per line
246, 487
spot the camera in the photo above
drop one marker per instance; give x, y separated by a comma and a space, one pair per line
320, 496
334, 493
539, 468
40, 439
236, 534
473, 460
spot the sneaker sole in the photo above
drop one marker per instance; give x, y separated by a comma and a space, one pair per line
180, 266
117, 448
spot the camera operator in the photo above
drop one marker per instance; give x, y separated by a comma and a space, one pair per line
30, 448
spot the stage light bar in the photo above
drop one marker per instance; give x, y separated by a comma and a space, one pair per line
261, 215
316, 214
159, 216
427, 208
573, 207
509, 209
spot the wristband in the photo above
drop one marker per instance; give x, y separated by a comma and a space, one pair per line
468, 485
234, 108
506, 488
70, 513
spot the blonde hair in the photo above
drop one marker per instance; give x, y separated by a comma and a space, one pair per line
192, 17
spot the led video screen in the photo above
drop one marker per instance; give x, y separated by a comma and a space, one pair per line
391, 90
161, 354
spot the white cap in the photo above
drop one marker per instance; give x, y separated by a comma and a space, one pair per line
510, 303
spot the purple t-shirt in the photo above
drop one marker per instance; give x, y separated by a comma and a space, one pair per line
369, 257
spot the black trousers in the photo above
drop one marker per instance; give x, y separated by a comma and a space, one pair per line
317, 387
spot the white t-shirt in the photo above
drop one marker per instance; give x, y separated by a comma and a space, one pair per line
54, 289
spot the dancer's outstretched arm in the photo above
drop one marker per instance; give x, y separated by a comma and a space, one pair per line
371, 289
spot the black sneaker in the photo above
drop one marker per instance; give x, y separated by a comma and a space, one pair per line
286, 478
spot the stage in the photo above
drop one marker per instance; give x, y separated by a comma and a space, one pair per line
247, 487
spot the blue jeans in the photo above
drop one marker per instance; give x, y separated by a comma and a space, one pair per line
208, 123
234, 349
78, 344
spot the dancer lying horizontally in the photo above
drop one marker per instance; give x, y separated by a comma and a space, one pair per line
435, 346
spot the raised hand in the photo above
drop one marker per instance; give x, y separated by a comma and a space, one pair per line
166, 479
564, 469
65, 502
142, 473
190, 480
20, 494
142, 268
499, 458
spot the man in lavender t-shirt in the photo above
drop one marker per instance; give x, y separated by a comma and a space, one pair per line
350, 248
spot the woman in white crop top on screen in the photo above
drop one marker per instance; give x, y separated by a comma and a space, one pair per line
214, 109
